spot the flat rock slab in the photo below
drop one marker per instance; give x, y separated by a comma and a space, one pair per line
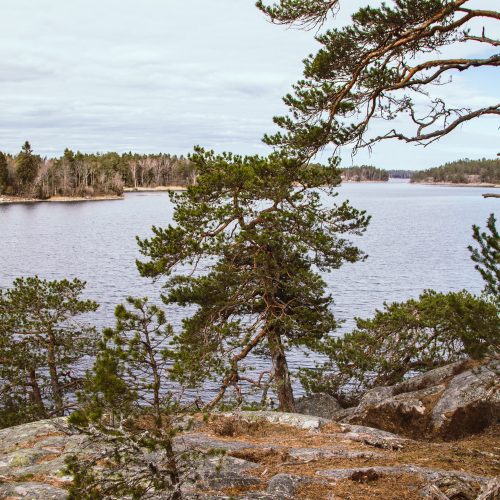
309, 454
427, 473
32, 491
305, 422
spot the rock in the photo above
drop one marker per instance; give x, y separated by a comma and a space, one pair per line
284, 485
431, 378
31, 491
305, 422
432, 475
308, 454
344, 414
491, 491
318, 405
406, 413
375, 396
470, 403
449, 402
432, 492
226, 479
450, 487
372, 436
364, 476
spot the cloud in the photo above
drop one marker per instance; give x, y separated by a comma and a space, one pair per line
160, 75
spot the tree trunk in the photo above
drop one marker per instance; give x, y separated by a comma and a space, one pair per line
173, 470
54, 377
37, 394
281, 374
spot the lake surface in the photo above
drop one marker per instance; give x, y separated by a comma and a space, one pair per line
417, 239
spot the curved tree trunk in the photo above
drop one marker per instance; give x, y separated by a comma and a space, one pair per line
281, 374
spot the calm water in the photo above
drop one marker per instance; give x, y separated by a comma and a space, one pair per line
417, 239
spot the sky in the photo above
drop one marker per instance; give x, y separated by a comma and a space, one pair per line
165, 75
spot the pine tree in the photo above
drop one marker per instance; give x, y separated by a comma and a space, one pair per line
381, 67
406, 337
259, 226
487, 256
130, 410
41, 343
27, 167
4, 173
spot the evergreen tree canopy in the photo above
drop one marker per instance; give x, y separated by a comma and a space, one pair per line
380, 66
462, 171
27, 166
41, 344
259, 226
404, 338
129, 405
4, 173
487, 256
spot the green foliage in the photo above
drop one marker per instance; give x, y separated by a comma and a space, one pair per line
401, 174
130, 411
407, 337
487, 257
364, 173
27, 167
367, 71
41, 343
259, 227
462, 171
79, 174
4, 173
307, 14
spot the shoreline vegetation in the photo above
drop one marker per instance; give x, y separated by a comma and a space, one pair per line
77, 177
109, 197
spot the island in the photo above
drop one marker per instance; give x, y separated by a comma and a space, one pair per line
484, 172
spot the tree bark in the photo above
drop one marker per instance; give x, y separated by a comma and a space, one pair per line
54, 377
281, 374
36, 393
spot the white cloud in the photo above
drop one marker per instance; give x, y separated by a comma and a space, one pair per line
163, 75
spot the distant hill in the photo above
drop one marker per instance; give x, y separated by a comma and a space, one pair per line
401, 174
462, 172
364, 173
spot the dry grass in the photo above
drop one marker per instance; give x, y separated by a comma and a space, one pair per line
400, 487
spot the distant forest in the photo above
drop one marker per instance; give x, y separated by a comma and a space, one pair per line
401, 174
364, 173
87, 175
99, 174
462, 172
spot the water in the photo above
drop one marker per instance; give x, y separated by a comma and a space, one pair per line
417, 239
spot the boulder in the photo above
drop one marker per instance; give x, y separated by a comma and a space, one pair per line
318, 405
284, 485
449, 402
470, 403
305, 422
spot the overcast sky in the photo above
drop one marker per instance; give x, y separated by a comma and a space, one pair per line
164, 75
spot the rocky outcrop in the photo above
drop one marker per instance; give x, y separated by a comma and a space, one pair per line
319, 405
449, 402
285, 456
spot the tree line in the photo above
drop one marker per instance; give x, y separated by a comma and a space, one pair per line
364, 173
401, 174
87, 175
462, 172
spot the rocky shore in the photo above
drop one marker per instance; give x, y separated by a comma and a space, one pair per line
444, 444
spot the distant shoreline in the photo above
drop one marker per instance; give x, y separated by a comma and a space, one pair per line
154, 189
4, 199
57, 199
460, 184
